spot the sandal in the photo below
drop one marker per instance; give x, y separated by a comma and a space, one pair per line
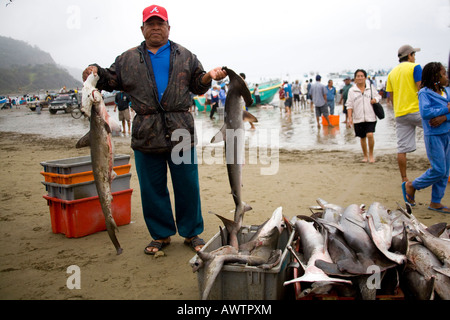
407, 197
442, 209
155, 244
195, 242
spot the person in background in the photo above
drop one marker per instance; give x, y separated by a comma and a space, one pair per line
380, 88
296, 92
257, 95
193, 107
331, 96
214, 101
403, 84
308, 90
344, 96
207, 100
159, 75
318, 94
122, 101
288, 96
282, 97
303, 94
360, 112
222, 95
434, 105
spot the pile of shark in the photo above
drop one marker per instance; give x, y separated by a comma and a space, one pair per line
350, 251
362, 252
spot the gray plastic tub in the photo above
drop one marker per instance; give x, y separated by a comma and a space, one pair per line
79, 164
241, 282
84, 189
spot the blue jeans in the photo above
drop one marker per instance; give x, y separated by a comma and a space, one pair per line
331, 105
151, 169
438, 152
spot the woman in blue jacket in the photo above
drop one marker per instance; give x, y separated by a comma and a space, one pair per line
434, 105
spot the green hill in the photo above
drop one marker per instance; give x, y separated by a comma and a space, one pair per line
26, 69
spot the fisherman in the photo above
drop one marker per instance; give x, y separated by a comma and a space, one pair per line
158, 76
318, 94
403, 84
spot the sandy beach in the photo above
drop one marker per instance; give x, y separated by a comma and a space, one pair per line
34, 261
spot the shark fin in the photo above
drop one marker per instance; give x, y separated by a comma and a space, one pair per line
247, 116
107, 127
220, 136
84, 141
229, 224
247, 207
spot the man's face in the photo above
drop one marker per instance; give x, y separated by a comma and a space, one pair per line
156, 32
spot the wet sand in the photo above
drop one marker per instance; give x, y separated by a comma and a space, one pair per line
34, 261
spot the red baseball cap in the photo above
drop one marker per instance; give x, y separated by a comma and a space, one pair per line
154, 11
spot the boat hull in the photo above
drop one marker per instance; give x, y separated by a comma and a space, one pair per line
266, 92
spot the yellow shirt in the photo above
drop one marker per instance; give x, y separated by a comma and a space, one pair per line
401, 82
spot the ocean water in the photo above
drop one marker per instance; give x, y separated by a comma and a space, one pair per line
274, 129
299, 131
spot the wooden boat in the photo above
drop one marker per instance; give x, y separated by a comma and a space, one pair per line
267, 91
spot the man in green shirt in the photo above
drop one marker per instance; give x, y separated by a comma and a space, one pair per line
344, 96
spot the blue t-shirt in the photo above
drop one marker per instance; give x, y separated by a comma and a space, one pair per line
331, 93
288, 90
161, 65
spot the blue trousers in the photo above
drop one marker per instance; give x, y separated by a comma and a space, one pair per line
331, 105
438, 152
152, 174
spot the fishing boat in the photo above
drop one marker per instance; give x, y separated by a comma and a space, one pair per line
267, 91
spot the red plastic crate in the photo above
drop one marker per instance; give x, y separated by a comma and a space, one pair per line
79, 218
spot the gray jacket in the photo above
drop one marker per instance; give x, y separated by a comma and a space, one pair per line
155, 120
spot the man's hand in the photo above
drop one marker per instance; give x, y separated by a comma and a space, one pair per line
214, 74
217, 73
88, 71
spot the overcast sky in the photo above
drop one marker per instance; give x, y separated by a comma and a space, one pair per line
264, 39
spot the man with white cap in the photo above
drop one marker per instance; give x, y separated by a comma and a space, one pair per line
159, 76
403, 84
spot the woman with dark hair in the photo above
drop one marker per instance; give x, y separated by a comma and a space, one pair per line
360, 112
434, 105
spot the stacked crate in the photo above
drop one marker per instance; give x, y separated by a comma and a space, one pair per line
72, 197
